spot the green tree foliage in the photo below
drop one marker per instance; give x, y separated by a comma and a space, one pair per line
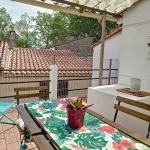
43, 29
59, 27
50, 28
46, 29
81, 26
5, 24
28, 34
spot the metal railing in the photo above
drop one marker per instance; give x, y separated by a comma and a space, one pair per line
68, 85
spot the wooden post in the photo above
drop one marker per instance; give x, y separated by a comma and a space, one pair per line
110, 64
102, 49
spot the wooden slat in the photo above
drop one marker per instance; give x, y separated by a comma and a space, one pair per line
31, 95
132, 112
29, 122
42, 143
134, 103
30, 88
66, 10
94, 114
128, 132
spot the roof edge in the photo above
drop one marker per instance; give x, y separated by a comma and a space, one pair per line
69, 41
107, 37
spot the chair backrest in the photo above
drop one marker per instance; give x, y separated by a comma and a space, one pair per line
132, 112
38, 88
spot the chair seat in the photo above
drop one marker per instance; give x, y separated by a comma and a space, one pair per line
6, 105
4, 108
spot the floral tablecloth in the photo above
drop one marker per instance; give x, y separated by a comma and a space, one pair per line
93, 135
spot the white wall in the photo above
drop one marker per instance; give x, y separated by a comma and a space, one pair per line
111, 51
135, 36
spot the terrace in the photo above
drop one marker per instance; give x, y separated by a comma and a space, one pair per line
132, 55
10, 135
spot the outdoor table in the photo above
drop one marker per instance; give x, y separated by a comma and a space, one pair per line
97, 133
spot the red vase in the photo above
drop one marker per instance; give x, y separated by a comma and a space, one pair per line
75, 118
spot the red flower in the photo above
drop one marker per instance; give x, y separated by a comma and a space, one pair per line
41, 121
127, 144
62, 101
76, 147
41, 109
117, 146
83, 129
62, 108
107, 129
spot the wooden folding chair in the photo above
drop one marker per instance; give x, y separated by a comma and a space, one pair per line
4, 109
19, 96
132, 112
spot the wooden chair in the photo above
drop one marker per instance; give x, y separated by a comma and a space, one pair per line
19, 96
132, 112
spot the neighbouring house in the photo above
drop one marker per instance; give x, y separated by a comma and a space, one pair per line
80, 47
113, 43
26, 64
134, 63
134, 60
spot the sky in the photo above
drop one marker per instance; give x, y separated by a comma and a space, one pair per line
16, 9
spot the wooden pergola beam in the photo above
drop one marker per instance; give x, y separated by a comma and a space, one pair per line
102, 50
86, 7
65, 10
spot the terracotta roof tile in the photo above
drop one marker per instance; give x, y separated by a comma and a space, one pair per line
107, 37
70, 41
36, 61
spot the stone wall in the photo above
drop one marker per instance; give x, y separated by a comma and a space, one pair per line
80, 47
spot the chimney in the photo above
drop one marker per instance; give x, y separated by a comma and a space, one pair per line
71, 37
59, 41
12, 39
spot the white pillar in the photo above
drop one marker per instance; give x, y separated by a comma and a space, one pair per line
53, 83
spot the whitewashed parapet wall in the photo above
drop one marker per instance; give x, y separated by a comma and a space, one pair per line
134, 60
112, 51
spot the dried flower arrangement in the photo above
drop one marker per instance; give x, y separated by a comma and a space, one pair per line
77, 105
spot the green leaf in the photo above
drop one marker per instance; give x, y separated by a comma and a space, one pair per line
59, 128
144, 147
90, 120
48, 105
53, 123
65, 148
48, 112
35, 113
31, 104
117, 137
59, 114
91, 141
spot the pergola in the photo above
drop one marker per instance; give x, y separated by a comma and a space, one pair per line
100, 9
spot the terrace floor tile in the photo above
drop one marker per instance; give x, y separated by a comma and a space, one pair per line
10, 135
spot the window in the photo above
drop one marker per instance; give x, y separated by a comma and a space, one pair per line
62, 88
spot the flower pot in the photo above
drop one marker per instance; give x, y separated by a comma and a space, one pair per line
75, 118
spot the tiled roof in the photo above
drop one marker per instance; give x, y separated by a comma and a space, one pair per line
70, 41
36, 61
3, 53
107, 37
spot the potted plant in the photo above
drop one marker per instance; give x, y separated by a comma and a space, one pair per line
76, 111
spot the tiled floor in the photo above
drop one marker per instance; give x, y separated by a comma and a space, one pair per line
10, 135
